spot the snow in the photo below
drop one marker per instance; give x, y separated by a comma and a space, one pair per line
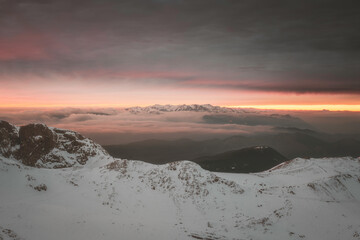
158, 109
261, 147
37, 138
122, 199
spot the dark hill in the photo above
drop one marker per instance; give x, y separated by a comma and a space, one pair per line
162, 151
246, 160
290, 143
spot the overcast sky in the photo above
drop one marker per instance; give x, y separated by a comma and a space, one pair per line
239, 52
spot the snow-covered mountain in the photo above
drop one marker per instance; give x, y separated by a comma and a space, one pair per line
158, 109
107, 198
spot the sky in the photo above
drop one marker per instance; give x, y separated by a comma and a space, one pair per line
76, 64
301, 54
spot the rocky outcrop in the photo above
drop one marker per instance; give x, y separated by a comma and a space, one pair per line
36, 141
38, 145
9, 139
181, 179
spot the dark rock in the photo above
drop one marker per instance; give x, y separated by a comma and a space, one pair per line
9, 138
41, 187
36, 140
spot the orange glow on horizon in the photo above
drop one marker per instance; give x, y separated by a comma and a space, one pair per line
352, 108
58, 91
342, 107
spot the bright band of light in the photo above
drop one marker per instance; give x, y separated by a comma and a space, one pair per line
353, 108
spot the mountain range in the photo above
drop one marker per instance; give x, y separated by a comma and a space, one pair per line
158, 109
70, 188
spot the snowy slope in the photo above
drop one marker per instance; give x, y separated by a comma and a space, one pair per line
56, 184
121, 199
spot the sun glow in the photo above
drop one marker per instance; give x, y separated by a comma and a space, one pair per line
353, 108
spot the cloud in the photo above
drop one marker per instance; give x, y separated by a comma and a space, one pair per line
121, 125
26, 46
259, 45
112, 126
257, 120
53, 116
333, 86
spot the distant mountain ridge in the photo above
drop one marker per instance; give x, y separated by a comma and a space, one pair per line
157, 109
224, 115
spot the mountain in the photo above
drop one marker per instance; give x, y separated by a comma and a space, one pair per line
37, 145
158, 109
246, 160
109, 198
136, 200
305, 144
299, 144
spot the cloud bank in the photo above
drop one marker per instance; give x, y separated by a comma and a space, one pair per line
113, 126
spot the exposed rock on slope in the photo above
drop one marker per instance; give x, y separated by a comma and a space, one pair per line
40, 146
9, 139
182, 179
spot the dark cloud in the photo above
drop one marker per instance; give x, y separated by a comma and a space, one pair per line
280, 42
349, 86
53, 116
59, 115
256, 120
99, 113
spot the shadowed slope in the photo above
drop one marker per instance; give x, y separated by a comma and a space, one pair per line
254, 159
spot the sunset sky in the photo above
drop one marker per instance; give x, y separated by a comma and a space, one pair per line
302, 54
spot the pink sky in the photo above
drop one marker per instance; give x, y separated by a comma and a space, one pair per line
60, 92
126, 53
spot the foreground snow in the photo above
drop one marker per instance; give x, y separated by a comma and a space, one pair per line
120, 199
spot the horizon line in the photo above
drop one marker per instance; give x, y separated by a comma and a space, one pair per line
282, 107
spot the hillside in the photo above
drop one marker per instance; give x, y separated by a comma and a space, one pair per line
136, 200
108, 198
